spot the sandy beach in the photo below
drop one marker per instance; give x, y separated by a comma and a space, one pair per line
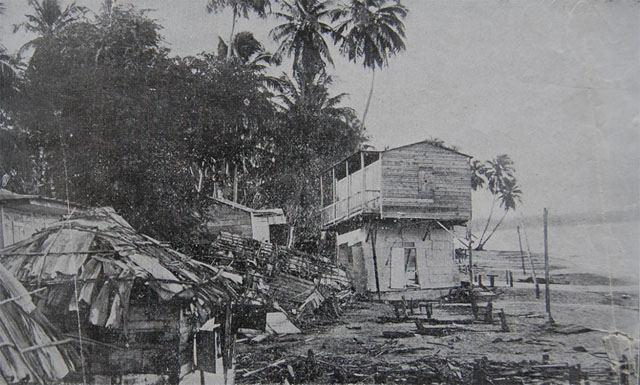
587, 313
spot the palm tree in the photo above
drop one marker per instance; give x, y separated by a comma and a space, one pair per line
302, 35
510, 193
48, 18
373, 31
478, 172
499, 175
311, 99
249, 51
239, 8
8, 64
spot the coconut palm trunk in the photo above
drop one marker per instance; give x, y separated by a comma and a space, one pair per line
233, 27
486, 226
366, 107
482, 243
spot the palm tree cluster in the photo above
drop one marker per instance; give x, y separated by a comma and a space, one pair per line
48, 18
152, 134
498, 177
370, 31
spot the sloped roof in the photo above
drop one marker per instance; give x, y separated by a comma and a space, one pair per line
371, 150
30, 350
277, 215
106, 257
429, 142
56, 206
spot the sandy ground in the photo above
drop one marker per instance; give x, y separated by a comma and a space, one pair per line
356, 344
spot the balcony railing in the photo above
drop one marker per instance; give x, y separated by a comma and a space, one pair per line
358, 203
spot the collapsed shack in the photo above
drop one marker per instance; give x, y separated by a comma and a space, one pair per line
31, 350
131, 303
308, 288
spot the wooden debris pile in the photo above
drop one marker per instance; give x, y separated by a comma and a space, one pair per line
273, 366
131, 301
246, 254
311, 289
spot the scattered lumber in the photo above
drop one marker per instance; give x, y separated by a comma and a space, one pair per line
396, 334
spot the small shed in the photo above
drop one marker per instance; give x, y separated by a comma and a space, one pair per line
232, 217
133, 303
30, 350
22, 215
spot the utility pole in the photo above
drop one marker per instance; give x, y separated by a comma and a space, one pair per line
524, 270
547, 294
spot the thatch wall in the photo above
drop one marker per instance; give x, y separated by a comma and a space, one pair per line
30, 350
96, 263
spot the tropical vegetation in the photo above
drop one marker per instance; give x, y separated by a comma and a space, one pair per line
95, 108
497, 176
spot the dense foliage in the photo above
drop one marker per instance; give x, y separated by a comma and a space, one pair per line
102, 114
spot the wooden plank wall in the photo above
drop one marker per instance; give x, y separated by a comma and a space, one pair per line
449, 183
434, 255
224, 218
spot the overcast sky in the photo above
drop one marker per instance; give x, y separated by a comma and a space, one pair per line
554, 84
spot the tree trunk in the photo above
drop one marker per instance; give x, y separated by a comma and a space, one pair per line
486, 226
366, 107
233, 27
235, 183
291, 240
493, 231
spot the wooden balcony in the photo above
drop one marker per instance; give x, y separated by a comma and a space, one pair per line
367, 202
420, 181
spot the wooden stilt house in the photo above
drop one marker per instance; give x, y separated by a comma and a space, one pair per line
394, 212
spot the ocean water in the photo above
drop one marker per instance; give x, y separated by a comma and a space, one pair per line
610, 249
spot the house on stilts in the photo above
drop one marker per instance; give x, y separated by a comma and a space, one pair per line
394, 213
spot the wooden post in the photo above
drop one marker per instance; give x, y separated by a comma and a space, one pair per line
321, 194
364, 181
227, 359
235, 183
469, 251
346, 167
373, 237
334, 189
524, 271
547, 294
533, 270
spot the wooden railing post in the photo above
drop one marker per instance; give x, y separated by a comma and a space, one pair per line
346, 163
363, 188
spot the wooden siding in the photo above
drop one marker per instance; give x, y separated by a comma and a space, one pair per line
225, 218
436, 265
427, 182
17, 225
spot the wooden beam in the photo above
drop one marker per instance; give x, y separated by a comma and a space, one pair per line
364, 178
346, 162
547, 293
452, 234
321, 193
375, 259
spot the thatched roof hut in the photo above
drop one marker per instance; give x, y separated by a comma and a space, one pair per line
30, 350
138, 299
